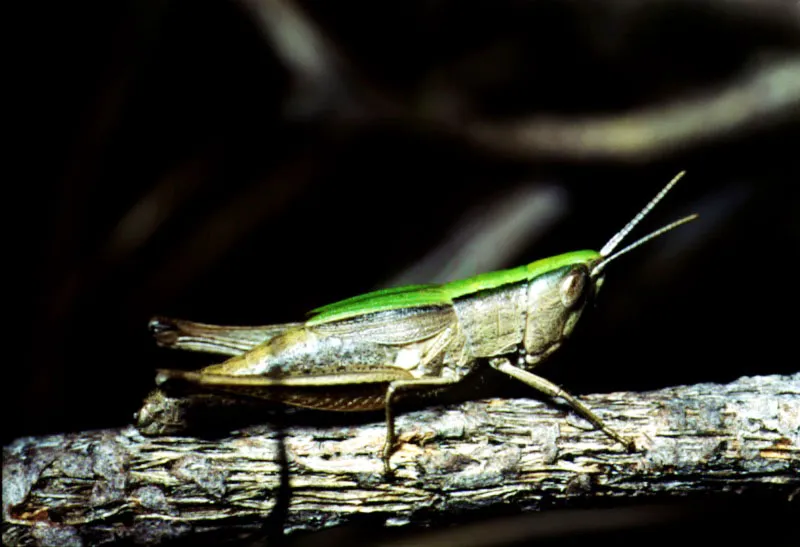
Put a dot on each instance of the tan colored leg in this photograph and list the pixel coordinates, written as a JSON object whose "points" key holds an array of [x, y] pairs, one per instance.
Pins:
{"points": [[391, 392], [549, 388]]}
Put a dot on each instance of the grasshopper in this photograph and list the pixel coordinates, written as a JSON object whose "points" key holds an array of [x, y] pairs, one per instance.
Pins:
{"points": [[365, 352]]}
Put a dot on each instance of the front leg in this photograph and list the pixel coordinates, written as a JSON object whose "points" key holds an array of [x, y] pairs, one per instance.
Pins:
{"points": [[549, 388], [393, 390]]}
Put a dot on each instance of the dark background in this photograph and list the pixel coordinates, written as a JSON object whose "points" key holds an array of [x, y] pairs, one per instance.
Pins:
{"points": [[188, 161]]}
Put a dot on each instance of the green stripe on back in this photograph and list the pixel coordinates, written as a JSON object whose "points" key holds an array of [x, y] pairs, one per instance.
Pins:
{"points": [[410, 296], [535, 269], [414, 296]]}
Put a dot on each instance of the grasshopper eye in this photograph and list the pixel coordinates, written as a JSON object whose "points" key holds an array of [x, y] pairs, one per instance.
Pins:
{"points": [[573, 286]]}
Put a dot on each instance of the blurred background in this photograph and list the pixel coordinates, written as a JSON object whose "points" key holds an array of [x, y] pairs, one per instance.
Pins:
{"points": [[241, 162]]}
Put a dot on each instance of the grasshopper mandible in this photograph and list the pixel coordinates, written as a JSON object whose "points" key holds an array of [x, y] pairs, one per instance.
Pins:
{"points": [[365, 352]]}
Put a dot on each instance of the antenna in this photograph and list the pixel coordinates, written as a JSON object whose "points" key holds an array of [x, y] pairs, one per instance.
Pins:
{"points": [[664, 229], [609, 247]]}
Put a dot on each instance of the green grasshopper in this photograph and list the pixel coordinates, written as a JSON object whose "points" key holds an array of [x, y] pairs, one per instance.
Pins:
{"points": [[365, 352]]}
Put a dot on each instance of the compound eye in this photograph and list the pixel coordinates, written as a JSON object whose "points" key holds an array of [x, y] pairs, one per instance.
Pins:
{"points": [[573, 287]]}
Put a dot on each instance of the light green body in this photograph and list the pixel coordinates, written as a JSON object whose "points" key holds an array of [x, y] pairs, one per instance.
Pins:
{"points": [[363, 352]]}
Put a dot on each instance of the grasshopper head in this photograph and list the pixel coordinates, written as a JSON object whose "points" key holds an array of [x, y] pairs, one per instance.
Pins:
{"points": [[558, 290], [559, 287]]}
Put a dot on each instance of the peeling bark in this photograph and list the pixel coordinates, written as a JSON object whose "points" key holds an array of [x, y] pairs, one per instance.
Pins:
{"points": [[100, 487]]}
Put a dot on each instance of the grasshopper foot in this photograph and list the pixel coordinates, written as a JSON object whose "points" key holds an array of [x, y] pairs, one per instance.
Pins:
{"points": [[388, 472], [386, 455], [630, 445]]}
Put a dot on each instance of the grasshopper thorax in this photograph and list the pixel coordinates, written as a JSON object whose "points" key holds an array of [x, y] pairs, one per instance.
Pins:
{"points": [[560, 287]]}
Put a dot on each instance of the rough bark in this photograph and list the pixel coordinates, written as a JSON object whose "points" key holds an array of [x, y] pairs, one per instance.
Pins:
{"points": [[102, 487]]}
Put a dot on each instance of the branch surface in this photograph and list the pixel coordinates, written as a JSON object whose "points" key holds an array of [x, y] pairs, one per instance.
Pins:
{"points": [[100, 487]]}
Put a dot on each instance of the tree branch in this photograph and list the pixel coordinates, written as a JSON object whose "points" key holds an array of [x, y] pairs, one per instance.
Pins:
{"points": [[764, 97], [104, 486]]}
